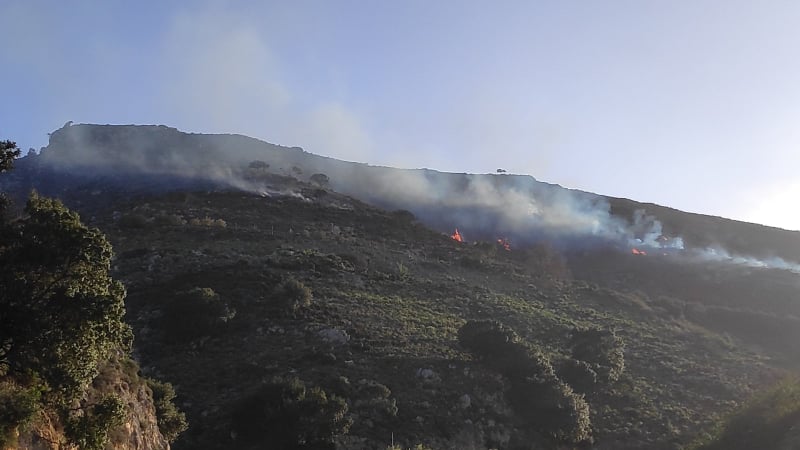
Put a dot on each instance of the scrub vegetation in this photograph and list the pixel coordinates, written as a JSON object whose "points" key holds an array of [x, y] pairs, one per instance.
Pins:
{"points": [[302, 318]]}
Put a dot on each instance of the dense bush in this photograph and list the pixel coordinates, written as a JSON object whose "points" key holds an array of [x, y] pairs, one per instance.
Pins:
{"points": [[320, 179], [288, 415], [579, 375], [88, 427], [552, 408], [208, 222], [602, 349], [62, 312], [291, 295], [61, 321], [485, 337], [768, 421], [17, 408], [499, 346], [171, 421], [195, 313], [371, 399], [538, 397]]}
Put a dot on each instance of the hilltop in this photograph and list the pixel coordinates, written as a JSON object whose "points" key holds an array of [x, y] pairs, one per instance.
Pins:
{"points": [[245, 261]]}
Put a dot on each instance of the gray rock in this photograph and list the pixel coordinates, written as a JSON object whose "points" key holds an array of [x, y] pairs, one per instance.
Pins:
{"points": [[334, 336], [426, 374]]}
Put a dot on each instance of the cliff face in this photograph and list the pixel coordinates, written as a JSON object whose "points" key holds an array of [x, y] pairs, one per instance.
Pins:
{"points": [[139, 430]]}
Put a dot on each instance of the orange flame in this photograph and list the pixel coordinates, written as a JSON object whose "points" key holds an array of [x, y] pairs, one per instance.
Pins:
{"points": [[504, 243], [636, 251], [457, 236]]}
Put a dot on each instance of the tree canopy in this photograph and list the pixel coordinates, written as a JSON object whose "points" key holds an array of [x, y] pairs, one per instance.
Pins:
{"points": [[61, 313], [8, 152]]}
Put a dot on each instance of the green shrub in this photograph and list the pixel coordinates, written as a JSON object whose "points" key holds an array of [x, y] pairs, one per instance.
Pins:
{"points": [[195, 313], [499, 346], [768, 420], [286, 414], [208, 222], [537, 396], [292, 295], [602, 349], [373, 399], [485, 337], [171, 421], [579, 375], [552, 408], [18, 406], [88, 427]]}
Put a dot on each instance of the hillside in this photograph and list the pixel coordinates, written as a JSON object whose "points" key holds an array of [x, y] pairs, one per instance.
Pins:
{"points": [[210, 245]]}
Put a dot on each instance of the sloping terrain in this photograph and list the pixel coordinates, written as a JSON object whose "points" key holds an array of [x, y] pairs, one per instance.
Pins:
{"points": [[389, 295], [400, 292]]}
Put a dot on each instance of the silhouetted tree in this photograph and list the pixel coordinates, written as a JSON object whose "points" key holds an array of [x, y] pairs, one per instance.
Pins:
{"points": [[8, 152]]}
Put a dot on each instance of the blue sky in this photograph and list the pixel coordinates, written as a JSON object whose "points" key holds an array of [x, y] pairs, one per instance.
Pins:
{"points": [[690, 104]]}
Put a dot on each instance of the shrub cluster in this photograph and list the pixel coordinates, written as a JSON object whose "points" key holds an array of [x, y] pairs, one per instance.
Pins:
{"points": [[88, 427], [289, 415], [370, 398], [580, 375], [603, 350], [537, 395], [292, 295], [17, 408], [195, 313], [768, 420], [208, 222], [171, 421]]}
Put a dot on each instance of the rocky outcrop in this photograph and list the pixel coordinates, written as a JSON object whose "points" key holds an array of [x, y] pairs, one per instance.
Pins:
{"points": [[139, 430]]}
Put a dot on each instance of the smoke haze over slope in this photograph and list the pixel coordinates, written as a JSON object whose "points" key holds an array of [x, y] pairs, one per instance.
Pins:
{"points": [[482, 206]]}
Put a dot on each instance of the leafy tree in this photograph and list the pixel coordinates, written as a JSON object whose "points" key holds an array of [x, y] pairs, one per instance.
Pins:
{"points": [[171, 421], [61, 319], [89, 427], [61, 313], [18, 405], [8, 152]]}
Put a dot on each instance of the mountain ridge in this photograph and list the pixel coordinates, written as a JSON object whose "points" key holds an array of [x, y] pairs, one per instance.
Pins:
{"points": [[442, 200], [268, 273]]}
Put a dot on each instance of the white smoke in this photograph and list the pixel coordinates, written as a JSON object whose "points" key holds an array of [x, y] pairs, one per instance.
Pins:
{"points": [[483, 207], [719, 254]]}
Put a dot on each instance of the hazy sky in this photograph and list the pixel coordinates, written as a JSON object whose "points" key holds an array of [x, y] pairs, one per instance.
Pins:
{"points": [[693, 104]]}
